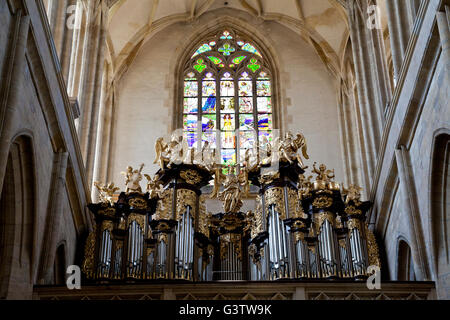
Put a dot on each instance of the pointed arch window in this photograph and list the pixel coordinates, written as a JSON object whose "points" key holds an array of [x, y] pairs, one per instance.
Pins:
{"points": [[227, 97]]}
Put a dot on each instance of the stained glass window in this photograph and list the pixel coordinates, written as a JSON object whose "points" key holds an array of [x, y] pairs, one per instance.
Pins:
{"points": [[227, 98]]}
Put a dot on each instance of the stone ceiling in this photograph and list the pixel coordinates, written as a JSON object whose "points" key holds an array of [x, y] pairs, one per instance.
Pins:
{"points": [[322, 23]]}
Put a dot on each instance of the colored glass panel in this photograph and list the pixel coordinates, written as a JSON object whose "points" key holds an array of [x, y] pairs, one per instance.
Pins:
{"points": [[246, 105], [227, 88], [203, 48], [248, 47], [209, 76], [200, 66], [228, 140], [227, 76], [265, 137], [227, 49], [209, 104], [215, 60], [190, 89], [246, 122], [227, 105], [190, 105], [238, 60], [228, 157], [208, 88], [190, 122], [245, 76], [253, 65], [208, 122], [263, 76], [265, 122], [190, 76], [190, 138], [228, 122], [263, 88], [247, 139], [210, 137], [264, 104], [226, 35], [245, 88]]}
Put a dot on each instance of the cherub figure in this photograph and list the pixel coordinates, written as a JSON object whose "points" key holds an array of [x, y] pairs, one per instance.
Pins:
{"points": [[353, 193], [106, 192], [304, 186], [154, 186], [133, 179], [322, 173]]}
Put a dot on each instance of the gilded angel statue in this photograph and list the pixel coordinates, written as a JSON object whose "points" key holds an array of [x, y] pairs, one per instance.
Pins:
{"points": [[133, 179], [231, 194], [170, 153], [161, 149], [352, 193], [106, 192], [289, 147], [154, 186]]}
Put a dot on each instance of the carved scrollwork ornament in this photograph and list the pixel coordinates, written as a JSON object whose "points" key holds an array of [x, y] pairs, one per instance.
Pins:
{"points": [[351, 210], [191, 176], [185, 198], [322, 216], [139, 218], [373, 252], [138, 203], [163, 208], [323, 202], [89, 252], [353, 223], [275, 196], [108, 212], [107, 225], [299, 236]]}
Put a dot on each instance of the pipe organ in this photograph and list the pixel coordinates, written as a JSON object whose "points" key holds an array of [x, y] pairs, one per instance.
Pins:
{"points": [[304, 226]]}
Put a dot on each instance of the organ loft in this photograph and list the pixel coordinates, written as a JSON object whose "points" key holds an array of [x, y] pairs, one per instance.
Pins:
{"points": [[305, 226], [224, 150]]}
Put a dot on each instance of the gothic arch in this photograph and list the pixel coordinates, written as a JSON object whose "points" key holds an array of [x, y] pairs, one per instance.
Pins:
{"points": [[190, 45], [440, 202], [60, 264], [17, 218], [405, 264]]}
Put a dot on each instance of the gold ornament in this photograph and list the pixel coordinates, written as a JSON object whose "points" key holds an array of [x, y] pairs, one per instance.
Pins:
{"points": [[106, 192], [185, 198], [191, 176]]}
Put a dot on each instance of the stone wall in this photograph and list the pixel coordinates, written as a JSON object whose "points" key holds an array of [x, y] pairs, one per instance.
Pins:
{"points": [[38, 135]]}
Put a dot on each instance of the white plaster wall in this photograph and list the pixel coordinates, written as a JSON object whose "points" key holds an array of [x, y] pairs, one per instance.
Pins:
{"points": [[145, 98]]}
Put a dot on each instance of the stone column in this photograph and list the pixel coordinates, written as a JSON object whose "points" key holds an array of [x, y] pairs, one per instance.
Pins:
{"points": [[12, 97], [103, 136], [412, 208], [89, 96], [53, 220], [399, 31], [365, 69], [443, 22]]}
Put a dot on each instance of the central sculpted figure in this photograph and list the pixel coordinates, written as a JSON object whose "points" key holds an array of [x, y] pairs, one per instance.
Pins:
{"points": [[231, 193]]}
